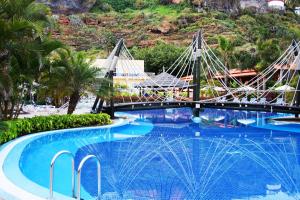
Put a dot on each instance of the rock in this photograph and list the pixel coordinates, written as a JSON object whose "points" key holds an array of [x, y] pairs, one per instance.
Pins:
{"points": [[225, 5], [69, 6], [176, 1], [165, 28], [231, 6], [147, 43], [184, 21]]}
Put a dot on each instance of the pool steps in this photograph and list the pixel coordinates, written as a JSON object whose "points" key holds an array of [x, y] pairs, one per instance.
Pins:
{"points": [[79, 170]]}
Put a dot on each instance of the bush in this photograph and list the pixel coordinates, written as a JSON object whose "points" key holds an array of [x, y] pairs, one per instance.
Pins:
{"points": [[120, 5], [16, 128], [159, 56]]}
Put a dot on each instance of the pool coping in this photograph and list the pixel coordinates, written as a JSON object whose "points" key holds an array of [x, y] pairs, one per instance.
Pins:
{"points": [[10, 190]]}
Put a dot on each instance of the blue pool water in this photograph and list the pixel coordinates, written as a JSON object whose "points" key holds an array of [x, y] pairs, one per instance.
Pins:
{"points": [[165, 154]]}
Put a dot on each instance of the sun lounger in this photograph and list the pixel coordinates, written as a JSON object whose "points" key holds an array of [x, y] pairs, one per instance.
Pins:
{"points": [[236, 100], [280, 101], [263, 101], [221, 99], [244, 100], [253, 100]]}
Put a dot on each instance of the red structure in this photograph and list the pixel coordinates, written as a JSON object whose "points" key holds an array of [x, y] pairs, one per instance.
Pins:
{"points": [[242, 75]]}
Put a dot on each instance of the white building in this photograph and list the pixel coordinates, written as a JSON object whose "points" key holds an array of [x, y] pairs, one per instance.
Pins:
{"points": [[297, 10], [128, 72], [276, 4]]}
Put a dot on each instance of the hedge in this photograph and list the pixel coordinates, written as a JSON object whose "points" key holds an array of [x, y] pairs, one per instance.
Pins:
{"points": [[10, 130]]}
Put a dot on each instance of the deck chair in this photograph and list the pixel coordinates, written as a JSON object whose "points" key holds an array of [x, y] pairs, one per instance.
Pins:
{"points": [[253, 100], [263, 101], [244, 100], [221, 99], [236, 100], [280, 101]]}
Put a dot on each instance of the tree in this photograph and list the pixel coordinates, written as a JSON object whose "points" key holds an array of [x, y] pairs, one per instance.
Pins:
{"points": [[226, 49], [109, 40], [120, 5], [159, 56], [71, 76], [246, 58], [22, 28], [291, 4], [268, 52]]}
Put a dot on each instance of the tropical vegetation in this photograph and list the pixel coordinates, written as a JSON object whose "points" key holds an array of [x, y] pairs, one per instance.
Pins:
{"points": [[15, 128], [71, 75], [30, 58]]}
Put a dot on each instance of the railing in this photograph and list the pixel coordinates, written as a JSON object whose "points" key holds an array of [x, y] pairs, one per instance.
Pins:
{"points": [[79, 170], [56, 156], [83, 161]]}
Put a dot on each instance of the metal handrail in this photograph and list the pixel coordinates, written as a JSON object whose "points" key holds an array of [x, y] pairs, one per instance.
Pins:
{"points": [[52, 170], [83, 161]]}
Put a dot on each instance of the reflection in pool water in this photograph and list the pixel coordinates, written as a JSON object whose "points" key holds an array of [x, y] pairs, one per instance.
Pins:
{"points": [[227, 155]]}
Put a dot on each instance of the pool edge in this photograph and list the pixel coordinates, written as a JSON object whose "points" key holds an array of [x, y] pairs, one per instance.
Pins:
{"points": [[10, 190]]}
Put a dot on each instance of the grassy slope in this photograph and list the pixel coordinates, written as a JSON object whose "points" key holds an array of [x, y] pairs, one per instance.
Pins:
{"points": [[136, 25]]}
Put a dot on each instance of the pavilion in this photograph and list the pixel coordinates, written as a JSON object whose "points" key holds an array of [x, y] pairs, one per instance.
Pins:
{"points": [[163, 82]]}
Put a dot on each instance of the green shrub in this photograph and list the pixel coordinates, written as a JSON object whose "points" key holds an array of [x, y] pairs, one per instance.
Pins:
{"points": [[120, 5], [12, 129], [159, 56]]}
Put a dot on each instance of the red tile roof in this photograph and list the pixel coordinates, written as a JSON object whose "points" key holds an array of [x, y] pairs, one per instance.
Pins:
{"points": [[237, 73]]}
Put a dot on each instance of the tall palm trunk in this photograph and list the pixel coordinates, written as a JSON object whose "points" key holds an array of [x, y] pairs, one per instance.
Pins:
{"points": [[6, 93], [74, 99]]}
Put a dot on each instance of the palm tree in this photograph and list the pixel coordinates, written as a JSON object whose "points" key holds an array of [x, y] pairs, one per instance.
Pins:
{"points": [[22, 23], [82, 77], [291, 4], [226, 49], [73, 75]]}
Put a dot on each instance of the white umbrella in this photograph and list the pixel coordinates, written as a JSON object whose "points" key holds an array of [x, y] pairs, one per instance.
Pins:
{"points": [[245, 89], [284, 88]]}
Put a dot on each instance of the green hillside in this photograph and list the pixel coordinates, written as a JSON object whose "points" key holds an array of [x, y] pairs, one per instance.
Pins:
{"points": [[257, 39]]}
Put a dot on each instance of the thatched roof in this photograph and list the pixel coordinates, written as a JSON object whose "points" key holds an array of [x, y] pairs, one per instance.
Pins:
{"points": [[163, 80]]}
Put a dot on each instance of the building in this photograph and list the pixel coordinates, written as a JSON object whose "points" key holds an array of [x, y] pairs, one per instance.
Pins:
{"points": [[128, 72], [276, 4], [242, 75], [297, 10]]}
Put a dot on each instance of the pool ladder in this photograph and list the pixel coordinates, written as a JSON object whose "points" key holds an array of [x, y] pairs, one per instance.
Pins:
{"points": [[78, 173]]}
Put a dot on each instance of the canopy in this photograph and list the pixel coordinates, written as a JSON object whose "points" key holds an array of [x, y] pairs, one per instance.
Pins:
{"points": [[163, 80]]}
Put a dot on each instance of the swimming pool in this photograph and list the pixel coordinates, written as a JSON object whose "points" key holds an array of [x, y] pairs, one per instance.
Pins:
{"points": [[167, 154]]}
